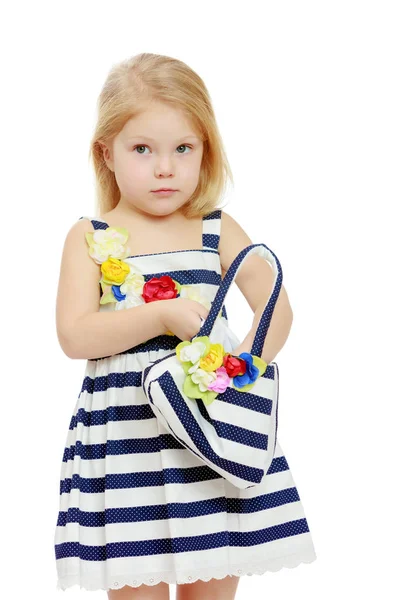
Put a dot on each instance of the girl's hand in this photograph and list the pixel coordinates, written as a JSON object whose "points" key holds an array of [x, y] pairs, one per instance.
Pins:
{"points": [[182, 316]]}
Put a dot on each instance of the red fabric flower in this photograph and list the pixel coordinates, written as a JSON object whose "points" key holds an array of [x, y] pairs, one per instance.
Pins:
{"points": [[234, 365], [162, 288]]}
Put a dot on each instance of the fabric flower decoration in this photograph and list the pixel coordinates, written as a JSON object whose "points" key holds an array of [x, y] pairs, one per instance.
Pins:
{"points": [[222, 381], [191, 351], [133, 283], [129, 293], [162, 288], [113, 274], [122, 284], [203, 379], [234, 365], [255, 367], [210, 370], [107, 247], [213, 358], [251, 373], [197, 380], [104, 243]]}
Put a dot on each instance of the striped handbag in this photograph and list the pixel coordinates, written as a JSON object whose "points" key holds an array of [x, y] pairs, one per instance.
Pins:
{"points": [[222, 407]]}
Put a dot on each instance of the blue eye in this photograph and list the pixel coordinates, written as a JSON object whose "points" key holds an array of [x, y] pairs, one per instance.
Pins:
{"points": [[181, 146], [140, 146], [184, 146]]}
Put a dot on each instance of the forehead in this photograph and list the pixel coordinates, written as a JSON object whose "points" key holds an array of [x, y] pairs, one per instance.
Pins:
{"points": [[159, 123], [149, 139]]}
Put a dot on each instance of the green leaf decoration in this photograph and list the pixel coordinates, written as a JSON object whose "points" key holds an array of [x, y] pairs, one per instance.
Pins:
{"points": [[180, 346], [192, 390], [245, 388], [260, 364], [205, 340], [177, 286], [108, 297], [186, 365], [208, 397]]}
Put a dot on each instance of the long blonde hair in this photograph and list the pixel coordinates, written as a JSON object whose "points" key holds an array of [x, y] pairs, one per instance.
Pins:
{"points": [[129, 87]]}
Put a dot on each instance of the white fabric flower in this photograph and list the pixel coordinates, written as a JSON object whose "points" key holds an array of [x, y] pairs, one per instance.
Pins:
{"points": [[194, 367], [104, 243], [203, 378], [132, 287], [192, 352], [133, 283]]}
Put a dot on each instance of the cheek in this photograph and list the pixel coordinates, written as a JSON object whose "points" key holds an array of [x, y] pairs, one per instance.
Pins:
{"points": [[191, 169], [133, 171]]}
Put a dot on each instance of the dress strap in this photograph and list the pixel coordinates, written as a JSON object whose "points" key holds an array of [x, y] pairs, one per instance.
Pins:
{"points": [[97, 223], [211, 229]]}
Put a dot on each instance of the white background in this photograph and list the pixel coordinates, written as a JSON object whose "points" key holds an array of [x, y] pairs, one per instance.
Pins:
{"points": [[316, 106]]}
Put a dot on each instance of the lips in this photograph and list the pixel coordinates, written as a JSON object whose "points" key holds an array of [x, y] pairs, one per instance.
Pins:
{"points": [[164, 190]]}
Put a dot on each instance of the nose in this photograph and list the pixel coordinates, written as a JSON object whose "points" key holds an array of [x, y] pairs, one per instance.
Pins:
{"points": [[164, 168]]}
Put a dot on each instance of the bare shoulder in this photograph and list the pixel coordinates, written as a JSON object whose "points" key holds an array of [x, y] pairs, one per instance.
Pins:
{"points": [[79, 228], [75, 249]]}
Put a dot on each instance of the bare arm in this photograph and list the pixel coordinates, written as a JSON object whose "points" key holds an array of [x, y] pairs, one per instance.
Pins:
{"points": [[83, 332], [255, 280], [106, 333]]}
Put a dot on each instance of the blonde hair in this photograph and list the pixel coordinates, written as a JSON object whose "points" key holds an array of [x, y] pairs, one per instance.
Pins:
{"points": [[129, 87]]}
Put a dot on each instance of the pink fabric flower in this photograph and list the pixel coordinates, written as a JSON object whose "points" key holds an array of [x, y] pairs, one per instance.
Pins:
{"points": [[222, 381]]}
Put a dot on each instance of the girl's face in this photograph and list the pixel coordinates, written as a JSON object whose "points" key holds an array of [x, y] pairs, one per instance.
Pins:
{"points": [[156, 149]]}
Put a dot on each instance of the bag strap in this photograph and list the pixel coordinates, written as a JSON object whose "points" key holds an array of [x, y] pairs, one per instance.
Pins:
{"points": [[266, 316]]}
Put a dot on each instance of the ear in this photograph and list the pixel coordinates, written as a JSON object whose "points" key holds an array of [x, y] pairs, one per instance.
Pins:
{"points": [[107, 155]]}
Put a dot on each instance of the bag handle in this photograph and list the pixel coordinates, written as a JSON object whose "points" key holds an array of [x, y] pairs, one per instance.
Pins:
{"points": [[266, 316]]}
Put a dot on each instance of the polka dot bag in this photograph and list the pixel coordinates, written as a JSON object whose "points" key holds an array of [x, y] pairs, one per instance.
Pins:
{"points": [[222, 407]]}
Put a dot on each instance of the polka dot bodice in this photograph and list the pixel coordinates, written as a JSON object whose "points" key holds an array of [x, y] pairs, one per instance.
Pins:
{"points": [[198, 272]]}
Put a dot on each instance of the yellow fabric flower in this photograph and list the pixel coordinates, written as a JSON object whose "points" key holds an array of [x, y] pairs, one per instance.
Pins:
{"points": [[213, 360], [114, 271]]}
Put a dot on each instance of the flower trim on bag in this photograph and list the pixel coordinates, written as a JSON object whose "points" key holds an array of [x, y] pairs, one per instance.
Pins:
{"points": [[210, 370], [124, 284]]}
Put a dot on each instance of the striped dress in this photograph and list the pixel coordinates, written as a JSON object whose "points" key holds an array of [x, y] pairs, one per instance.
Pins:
{"points": [[136, 507]]}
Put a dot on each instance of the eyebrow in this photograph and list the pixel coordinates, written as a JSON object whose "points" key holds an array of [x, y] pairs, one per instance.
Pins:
{"points": [[143, 137]]}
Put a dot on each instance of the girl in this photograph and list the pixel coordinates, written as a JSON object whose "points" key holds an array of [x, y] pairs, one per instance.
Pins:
{"points": [[138, 511]]}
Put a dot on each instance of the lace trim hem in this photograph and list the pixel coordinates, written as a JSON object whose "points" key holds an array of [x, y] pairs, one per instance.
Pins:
{"points": [[259, 568]]}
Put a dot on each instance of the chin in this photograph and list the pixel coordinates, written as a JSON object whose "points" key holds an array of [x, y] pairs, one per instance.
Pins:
{"points": [[162, 208]]}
